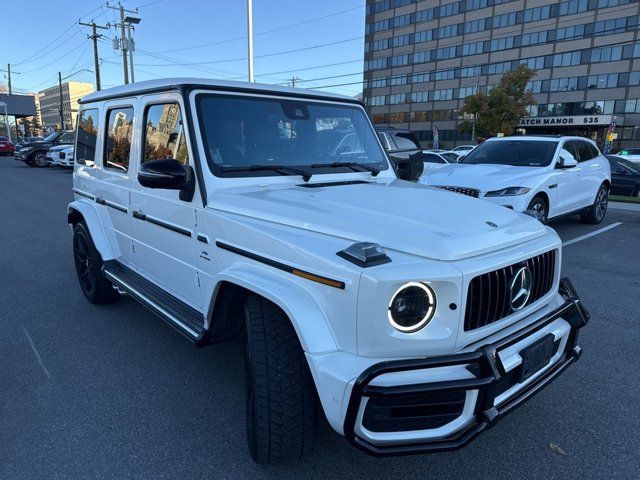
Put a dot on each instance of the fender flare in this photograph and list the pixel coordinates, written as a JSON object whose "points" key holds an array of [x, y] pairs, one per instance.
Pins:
{"points": [[102, 237], [306, 315]]}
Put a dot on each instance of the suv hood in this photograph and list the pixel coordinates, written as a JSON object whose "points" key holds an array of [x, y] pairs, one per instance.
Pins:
{"points": [[36, 144], [484, 177], [398, 215]]}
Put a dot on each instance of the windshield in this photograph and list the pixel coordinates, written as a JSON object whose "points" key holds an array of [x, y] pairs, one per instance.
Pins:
{"points": [[241, 132], [519, 153], [52, 137]]}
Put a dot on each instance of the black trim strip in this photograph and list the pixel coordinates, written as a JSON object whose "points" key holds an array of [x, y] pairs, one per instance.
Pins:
{"points": [[83, 194], [115, 206], [138, 215], [168, 226], [282, 266]]}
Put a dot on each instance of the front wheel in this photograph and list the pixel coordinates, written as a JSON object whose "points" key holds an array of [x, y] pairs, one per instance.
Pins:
{"points": [[280, 394], [39, 160], [95, 287], [539, 209], [596, 212]]}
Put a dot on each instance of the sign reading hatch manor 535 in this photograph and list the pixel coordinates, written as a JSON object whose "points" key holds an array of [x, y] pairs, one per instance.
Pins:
{"points": [[567, 121]]}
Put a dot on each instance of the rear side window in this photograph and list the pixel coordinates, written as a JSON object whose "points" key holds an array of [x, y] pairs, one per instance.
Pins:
{"points": [[118, 139], [164, 134], [87, 137]]}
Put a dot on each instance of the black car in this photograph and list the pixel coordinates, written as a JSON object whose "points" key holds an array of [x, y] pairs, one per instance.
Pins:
{"points": [[33, 153], [625, 176], [404, 151]]}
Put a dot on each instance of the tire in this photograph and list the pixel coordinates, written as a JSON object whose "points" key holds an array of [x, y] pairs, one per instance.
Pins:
{"points": [[280, 393], [38, 160], [596, 212], [88, 262], [540, 208]]}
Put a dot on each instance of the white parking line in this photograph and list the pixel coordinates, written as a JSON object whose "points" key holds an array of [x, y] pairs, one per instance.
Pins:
{"points": [[33, 347], [592, 234]]}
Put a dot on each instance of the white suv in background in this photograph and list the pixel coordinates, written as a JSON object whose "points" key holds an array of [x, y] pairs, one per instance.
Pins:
{"points": [[548, 176]]}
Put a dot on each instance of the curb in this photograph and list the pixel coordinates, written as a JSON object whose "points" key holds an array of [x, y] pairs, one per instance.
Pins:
{"points": [[633, 207]]}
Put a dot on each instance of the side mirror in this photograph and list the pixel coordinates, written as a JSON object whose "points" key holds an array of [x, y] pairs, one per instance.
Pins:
{"points": [[168, 174], [566, 160]]}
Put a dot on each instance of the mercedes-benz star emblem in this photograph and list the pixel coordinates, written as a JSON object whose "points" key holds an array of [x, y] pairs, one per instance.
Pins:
{"points": [[521, 288]]}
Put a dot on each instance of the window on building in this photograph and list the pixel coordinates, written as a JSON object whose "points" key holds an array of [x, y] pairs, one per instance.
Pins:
{"points": [[118, 139], [87, 136], [164, 134]]}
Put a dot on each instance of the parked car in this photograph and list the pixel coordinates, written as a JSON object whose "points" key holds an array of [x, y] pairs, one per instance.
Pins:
{"points": [[453, 157], [631, 154], [352, 288], [58, 156], [547, 176], [66, 158], [464, 149], [51, 157], [404, 151], [625, 176], [6, 146], [434, 161], [34, 153]]}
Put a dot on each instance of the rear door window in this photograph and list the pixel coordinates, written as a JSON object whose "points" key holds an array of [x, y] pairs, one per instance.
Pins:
{"points": [[584, 151], [118, 139]]}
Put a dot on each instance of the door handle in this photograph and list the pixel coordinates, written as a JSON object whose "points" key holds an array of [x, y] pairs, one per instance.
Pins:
{"points": [[139, 215]]}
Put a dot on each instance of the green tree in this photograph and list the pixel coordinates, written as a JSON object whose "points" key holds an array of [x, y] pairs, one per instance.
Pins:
{"points": [[500, 110]]}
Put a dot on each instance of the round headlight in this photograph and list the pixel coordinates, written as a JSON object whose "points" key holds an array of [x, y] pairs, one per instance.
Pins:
{"points": [[412, 307]]}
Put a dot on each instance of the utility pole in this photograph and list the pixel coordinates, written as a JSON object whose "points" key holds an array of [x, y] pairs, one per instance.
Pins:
{"points": [[9, 76], [61, 104], [250, 37], [293, 81], [126, 44], [95, 36]]}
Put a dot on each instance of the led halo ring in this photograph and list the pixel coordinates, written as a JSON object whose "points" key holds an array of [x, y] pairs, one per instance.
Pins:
{"points": [[430, 311]]}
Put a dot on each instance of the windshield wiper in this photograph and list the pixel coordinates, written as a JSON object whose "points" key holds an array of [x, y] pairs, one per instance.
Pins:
{"points": [[281, 169], [356, 167]]}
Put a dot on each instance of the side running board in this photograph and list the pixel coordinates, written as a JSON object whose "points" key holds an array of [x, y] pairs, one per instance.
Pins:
{"points": [[184, 318]]}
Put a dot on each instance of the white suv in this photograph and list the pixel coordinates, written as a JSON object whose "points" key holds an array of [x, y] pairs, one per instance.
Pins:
{"points": [[548, 176], [415, 318]]}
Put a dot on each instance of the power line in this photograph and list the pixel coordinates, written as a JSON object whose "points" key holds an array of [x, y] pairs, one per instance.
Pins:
{"points": [[57, 59], [266, 32], [261, 56]]}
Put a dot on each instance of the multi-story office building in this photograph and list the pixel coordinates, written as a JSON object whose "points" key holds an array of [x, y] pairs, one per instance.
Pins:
{"points": [[423, 58], [50, 104]]}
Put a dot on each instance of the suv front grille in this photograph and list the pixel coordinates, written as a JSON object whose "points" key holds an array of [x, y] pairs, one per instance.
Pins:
{"points": [[489, 295], [472, 192]]}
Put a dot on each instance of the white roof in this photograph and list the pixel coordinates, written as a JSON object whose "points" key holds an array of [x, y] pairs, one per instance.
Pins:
{"points": [[538, 138], [140, 87]]}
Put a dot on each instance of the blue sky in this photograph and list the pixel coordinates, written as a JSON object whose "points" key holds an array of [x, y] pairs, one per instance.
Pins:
{"points": [[43, 38]]}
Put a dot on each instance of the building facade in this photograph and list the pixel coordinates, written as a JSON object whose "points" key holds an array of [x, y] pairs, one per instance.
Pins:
{"points": [[423, 58], [50, 104]]}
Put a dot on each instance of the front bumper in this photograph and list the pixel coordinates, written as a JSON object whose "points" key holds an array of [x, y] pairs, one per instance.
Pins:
{"points": [[491, 386]]}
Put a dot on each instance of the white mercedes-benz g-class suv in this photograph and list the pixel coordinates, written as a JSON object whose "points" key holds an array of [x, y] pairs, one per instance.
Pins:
{"points": [[415, 317]]}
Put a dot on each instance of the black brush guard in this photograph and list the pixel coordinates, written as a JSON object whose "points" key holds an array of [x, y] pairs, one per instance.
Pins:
{"points": [[489, 381]]}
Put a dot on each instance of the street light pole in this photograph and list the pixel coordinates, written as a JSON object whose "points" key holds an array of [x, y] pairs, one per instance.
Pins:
{"points": [[250, 37], [130, 48], [61, 104]]}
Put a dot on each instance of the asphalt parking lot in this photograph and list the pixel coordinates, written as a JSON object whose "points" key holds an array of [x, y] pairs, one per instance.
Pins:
{"points": [[111, 392]]}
